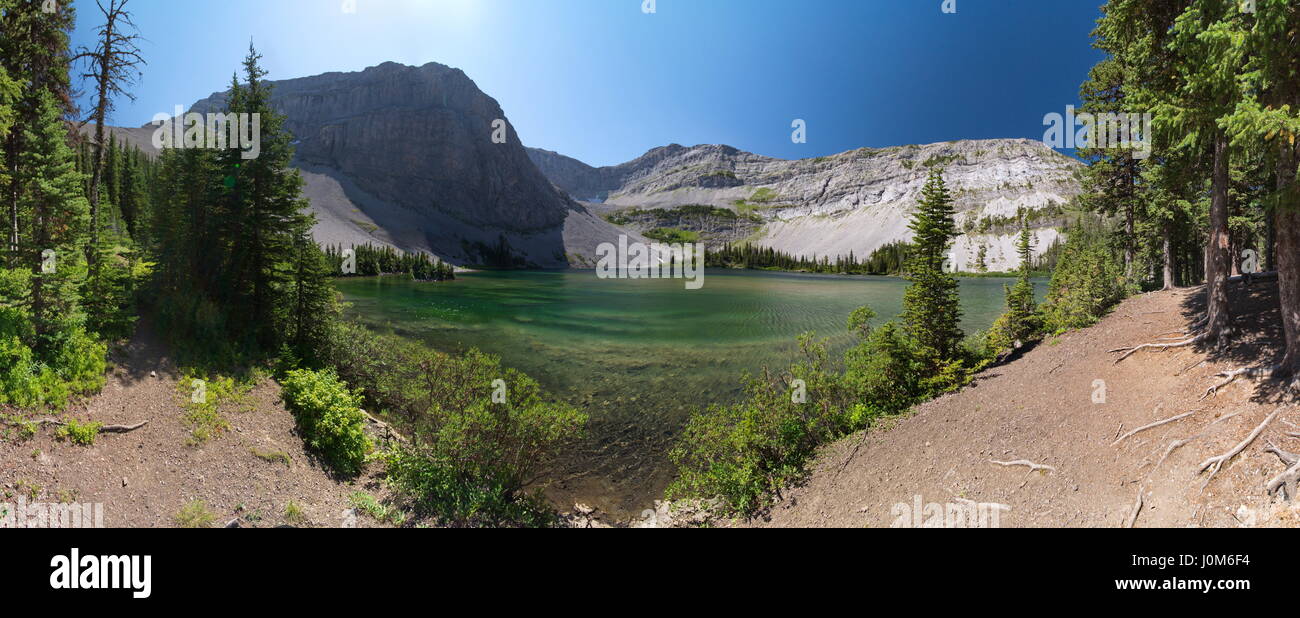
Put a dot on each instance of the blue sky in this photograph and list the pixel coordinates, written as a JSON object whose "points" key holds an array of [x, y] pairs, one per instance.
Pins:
{"points": [[602, 81]]}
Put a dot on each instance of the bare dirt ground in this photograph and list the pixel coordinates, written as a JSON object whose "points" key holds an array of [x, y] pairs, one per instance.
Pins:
{"points": [[146, 477], [1048, 408]]}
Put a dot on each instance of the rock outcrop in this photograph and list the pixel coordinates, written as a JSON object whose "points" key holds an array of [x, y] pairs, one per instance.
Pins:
{"points": [[406, 156], [855, 201]]}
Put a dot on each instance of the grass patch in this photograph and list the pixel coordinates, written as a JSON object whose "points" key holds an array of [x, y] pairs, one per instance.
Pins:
{"points": [[372, 508], [294, 515], [18, 427], [194, 514], [272, 456], [205, 399], [30, 488], [76, 432]]}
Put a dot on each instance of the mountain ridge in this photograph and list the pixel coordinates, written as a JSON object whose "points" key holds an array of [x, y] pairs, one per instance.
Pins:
{"points": [[855, 201], [409, 157]]}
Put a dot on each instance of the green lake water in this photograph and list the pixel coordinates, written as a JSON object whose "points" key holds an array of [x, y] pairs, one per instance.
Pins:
{"points": [[637, 355]]}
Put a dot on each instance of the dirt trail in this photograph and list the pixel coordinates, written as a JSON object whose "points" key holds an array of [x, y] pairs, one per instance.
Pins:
{"points": [[145, 477], [1048, 408]]}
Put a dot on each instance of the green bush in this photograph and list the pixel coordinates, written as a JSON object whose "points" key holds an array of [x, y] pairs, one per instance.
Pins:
{"points": [[1088, 281], [73, 363], [79, 433], [474, 454], [744, 453], [329, 417], [474, 465]]}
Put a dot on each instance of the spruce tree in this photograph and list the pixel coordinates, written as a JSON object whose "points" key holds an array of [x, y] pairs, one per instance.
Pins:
{"points": [[52, 193], [263, 209], [1268, 121], [312, 296], [931, 304], [1021, 323], [34, 52]]}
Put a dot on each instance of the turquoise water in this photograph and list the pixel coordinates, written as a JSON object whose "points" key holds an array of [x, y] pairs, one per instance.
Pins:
{"points": [[637, 355]]}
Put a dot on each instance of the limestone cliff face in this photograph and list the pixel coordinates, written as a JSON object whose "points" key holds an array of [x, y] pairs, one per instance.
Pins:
{"points": [[854, 201], [405, 155]]}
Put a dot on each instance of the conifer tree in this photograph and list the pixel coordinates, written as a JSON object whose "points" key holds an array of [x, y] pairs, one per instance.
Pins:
{"points": [[52, 193], [1268, 120], [34, 52], [931, 304], [1022, 322], [312, 296]]}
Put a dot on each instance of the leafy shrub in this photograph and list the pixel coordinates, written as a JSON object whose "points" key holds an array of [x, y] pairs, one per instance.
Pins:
{"points": [[1088, 281], [472, 459], [744, 453], [475, 464], [329, 417], [79, 433], [369, 506]]}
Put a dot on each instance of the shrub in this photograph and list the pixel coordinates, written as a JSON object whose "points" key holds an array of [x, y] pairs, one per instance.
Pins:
{"points": [[472, 458], [367, 505], [1088, 281], [474, 466], [79, 433], [744, 453], [329, 417], [71, 362]]}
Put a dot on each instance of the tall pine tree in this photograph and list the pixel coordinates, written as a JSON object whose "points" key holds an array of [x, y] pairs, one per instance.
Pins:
{"points": [[931, 304]]}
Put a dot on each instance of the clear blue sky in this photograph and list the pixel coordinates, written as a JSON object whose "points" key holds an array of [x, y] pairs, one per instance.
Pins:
{"points": [[602, 81]]}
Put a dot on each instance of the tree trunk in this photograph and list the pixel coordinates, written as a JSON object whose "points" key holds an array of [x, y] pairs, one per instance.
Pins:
{"points": [[1270, 252], [1287, 229], [12, 163], [1129, 239], [97, 165], [1217, 258], [1169, 255]]}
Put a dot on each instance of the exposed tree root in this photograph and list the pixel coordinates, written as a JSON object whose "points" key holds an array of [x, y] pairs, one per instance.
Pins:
{"points": [[1157, 346], [1214, 464], [122, 428], [1024, 462], [103, 429], [1175, 445], [1154, 425], [1137, 508], [1251, 373], [1288, 479]]}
